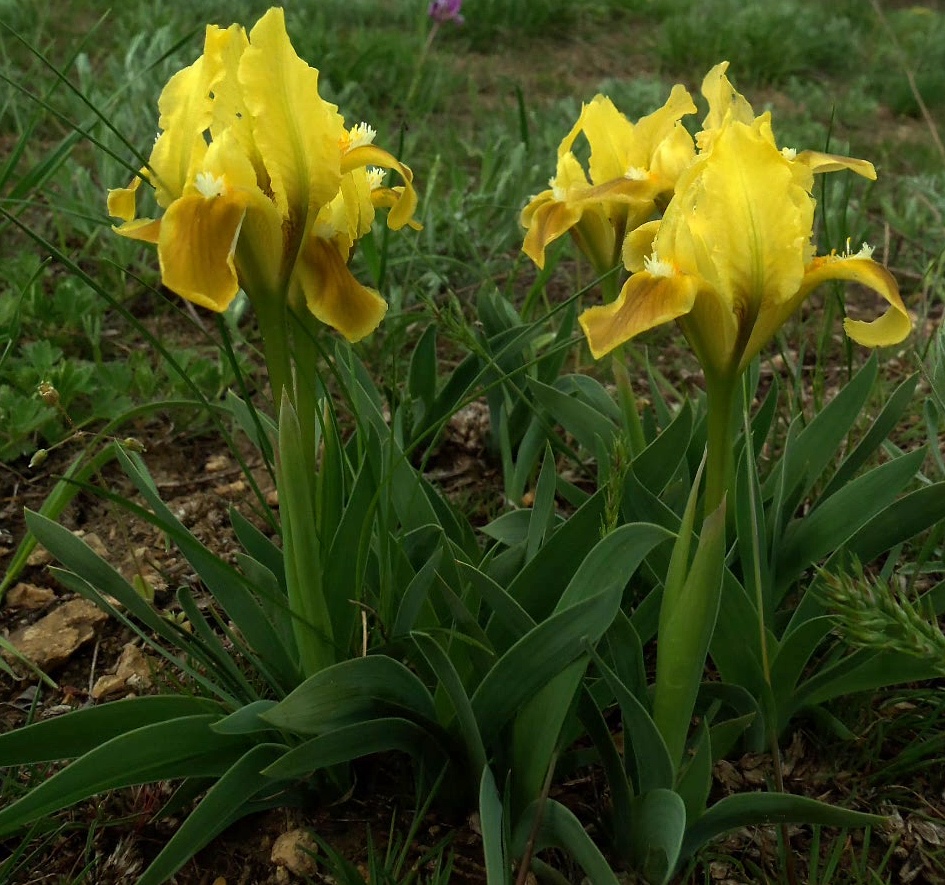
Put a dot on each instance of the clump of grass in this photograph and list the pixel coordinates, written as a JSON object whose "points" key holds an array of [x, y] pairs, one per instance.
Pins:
{"points": [[766, 43], [491, 20], [917, 46]]}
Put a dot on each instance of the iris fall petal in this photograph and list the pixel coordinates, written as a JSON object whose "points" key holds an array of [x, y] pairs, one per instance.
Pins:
{"points": [[333, 295]]}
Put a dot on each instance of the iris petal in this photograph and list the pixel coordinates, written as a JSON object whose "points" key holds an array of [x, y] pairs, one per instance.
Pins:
{"points": [[609, 133], [724, 103], [893, 326], [297, 133], [646, 301], [333, 295], [547, 223], [122, 200], [638, 245], [148, 230], [652, 131], [818, 162], [186, 107], [196, 247], [403, 208]]}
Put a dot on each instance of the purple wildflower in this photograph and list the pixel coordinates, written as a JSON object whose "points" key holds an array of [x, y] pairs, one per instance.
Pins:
{"points": [[446, 10]]}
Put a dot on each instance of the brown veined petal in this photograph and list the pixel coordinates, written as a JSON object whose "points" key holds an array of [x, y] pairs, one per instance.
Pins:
{"points": [[645, 301], [332, 294], [547, 223], [196, 248], [893, 326]]}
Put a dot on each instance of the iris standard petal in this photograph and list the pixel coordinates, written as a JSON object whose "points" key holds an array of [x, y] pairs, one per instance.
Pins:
{"points": [[610, 134], [725, 102], [298, 133], [671, 157], [186, 107], [893, 326], [332, 294], [651, 131], [647, 300], [230, 113], [750, 219], [196, 248]]}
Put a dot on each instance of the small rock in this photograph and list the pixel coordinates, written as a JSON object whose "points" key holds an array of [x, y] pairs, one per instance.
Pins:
{"points": [[216, 464], [294, 850], [133, 672], [29, 597], [106, 685], [41, 556], [231, 488], [272, 498], [94, 542], [54, 638]]}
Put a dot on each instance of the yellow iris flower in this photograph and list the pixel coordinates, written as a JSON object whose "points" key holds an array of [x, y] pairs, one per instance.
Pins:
{"points": [[732, 257], [633, 167], [261, 183]]}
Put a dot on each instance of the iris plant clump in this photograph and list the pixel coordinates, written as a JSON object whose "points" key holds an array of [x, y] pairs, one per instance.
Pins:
{"points": [[373, 617]]}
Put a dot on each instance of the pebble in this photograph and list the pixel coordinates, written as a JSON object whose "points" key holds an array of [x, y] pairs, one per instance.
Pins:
{"points": [[55, 637]]}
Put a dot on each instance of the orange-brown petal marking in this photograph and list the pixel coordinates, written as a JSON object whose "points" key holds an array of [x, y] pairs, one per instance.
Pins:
{"points": [[547, 223], [196, 247], [332, 294], [647, 300]]}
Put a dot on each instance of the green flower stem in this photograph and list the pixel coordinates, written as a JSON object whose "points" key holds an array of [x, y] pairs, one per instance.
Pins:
{"points": [[610, 289], [720, 461], [302, 557], [628, 405], [292, 362], [305, 357], [270, 314]]}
